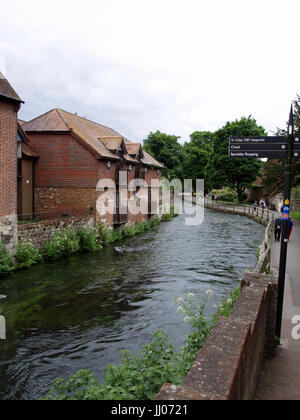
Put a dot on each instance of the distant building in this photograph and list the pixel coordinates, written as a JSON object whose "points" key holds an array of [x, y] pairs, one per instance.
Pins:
{"points": [[72, 155], [10, 104]]}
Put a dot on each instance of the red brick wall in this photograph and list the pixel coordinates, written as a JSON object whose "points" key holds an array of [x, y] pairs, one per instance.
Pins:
{"points": [[8, 159], [66, 176], [63, 162], [52, 202]]}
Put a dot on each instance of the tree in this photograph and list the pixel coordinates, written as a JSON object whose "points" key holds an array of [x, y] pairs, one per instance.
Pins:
{"points": [[235, 173], [273, 171], [167, 150], [196, 156]]}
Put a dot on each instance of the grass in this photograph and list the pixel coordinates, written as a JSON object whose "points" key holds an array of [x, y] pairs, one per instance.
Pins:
{"points": [[295, 215]]}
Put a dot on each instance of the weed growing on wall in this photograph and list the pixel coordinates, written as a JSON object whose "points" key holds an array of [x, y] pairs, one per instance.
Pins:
{"points": [[27, 255], [6, 261], [89, 239], [63, 243]]}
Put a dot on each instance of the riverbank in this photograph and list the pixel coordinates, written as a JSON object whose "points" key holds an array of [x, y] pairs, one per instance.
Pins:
{"points": [[72, 240]]}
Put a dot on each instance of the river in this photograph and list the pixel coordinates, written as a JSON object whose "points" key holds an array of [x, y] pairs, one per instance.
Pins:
{"points": [[79, 313]]}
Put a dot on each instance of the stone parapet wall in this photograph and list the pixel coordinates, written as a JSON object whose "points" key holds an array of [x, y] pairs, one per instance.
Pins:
{"points": [[229, 365], [9, 232], [41, 232]]}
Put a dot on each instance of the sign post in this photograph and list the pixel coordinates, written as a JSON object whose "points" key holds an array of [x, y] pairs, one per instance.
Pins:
{"points": [[276, 147], [285, 222]]}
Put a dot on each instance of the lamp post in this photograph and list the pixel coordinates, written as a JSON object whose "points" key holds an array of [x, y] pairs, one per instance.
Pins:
{"points": [[285, 222]]}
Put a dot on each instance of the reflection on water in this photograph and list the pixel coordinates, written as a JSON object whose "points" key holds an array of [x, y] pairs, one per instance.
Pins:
{"points": [[81, 312]]}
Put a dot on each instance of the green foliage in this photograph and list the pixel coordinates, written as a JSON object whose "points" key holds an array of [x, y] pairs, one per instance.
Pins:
{"points": [[6, 261], [167, 217], [226, 195], [295, 215], [167, 150], [226, 307], [89, 239], [27, 255], [62, 244], [197, 155], [237, 174], [155, 221]]}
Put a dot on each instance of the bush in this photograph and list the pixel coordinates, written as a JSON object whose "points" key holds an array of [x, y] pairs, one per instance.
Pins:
{"points": [[6, 261], [27, 255], [167, 217], [128, 231], [155, 221], [89, 239], [226, 195], [62, 244]]}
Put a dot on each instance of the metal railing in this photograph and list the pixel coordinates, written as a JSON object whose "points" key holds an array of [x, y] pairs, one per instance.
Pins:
{"points": [[244, 209]]}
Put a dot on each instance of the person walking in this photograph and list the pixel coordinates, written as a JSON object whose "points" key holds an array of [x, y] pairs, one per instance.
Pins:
{"points": [[291, 225], [277, 229]]}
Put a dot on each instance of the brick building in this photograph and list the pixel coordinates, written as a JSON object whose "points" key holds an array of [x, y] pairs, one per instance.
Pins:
{"points": [[10, 104], [26, 164], [74, 154]]}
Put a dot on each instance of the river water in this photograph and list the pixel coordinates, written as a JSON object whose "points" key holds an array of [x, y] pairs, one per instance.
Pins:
{"points": [[81, 312]]}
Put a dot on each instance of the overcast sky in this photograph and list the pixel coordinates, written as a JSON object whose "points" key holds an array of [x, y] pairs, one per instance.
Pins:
{"points": [[139, 66]]}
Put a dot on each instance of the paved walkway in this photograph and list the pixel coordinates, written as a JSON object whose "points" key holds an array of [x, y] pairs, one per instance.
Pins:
{"points": [[280, 378]]}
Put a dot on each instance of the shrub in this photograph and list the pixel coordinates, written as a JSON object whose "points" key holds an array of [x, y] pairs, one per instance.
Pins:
{"points": [[154, 221], [112, 236], [6, 261], [62, 244], [89, 239], [167, 217], [27, 255], [128, 231], [226, 195]]}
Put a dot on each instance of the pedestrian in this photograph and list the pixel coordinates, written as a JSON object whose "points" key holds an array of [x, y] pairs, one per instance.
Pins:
{"points": [[277, 229], [255, 205], [291, 225]]}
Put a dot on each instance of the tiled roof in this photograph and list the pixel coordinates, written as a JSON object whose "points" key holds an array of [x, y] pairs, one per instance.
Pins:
{"points": [[150, 161], [27, 151], [130, 159], [111, 143], [7, 91], [103, 140], [133, 148], [51, 121]]}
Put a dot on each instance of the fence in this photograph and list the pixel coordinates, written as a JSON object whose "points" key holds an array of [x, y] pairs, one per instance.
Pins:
{"points": [[243, 209], [260, 215]]}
